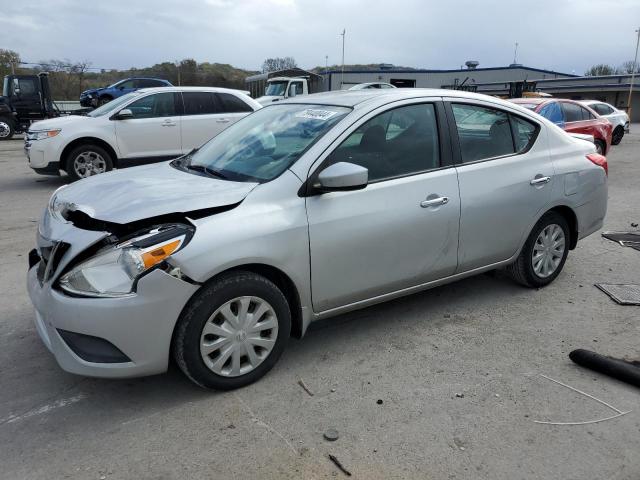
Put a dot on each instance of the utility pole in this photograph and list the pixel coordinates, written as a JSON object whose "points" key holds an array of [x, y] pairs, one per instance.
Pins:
{"points": [[344, 30], [633, 74], [515, 54], [326, 63]]}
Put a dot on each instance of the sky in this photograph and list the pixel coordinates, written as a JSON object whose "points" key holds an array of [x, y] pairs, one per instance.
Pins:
{"points": [[562, 35]]}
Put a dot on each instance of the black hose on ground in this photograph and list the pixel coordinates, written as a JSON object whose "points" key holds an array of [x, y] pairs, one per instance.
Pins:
{"points": [[628, 372]]}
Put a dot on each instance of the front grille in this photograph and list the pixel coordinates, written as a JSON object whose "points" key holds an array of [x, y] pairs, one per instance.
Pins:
{"points": [[50, 259]]}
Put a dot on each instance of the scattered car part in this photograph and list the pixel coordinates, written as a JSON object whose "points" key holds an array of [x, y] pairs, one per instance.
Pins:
{"points": [[628, 372], [624, 294]]}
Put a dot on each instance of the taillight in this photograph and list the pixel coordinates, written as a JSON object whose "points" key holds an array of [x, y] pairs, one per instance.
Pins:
{"points": [[599, 160]]}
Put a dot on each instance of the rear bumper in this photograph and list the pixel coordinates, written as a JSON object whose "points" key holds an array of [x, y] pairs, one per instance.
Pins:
{"points": [[140, 326]]}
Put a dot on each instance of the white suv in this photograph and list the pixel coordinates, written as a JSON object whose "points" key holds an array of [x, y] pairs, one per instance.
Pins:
{"points": [[145, 126]]}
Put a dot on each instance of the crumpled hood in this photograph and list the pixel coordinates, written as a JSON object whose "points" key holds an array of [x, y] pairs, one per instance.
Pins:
{"points": [[137, 193], [92, 90]]}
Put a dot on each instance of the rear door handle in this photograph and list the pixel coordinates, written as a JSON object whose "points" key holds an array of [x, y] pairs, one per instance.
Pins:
{"points": [[223, 120], [539, 180], [434, 202], [169, 123]]}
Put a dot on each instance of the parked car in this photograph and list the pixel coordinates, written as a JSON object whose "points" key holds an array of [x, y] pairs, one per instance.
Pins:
{"points": [[371, 85], [99, 96], [145, 126], [618, 118], [573, 118], [303, 210]]}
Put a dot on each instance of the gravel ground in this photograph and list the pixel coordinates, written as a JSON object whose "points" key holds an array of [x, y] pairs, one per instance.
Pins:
{"points": [[457, 370]]}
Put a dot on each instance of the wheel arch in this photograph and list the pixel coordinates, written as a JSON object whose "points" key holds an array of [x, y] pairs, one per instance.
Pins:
{"points": [[282, 281], [572, 219], [87, 140]]}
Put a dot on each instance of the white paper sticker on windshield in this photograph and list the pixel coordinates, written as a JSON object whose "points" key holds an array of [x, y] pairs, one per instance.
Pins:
{"points": [[316, 114]]}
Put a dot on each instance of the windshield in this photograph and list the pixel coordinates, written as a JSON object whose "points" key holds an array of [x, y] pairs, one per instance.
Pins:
{"points": [[276, 89], [264, 144], [112, 105]]}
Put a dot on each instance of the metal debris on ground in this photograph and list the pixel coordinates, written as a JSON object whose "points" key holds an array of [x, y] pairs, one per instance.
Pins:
{"points": [[305, 388], [331, 435], [624, 293], [624, 370], [626, 239], [619, 413], [339, 465]]}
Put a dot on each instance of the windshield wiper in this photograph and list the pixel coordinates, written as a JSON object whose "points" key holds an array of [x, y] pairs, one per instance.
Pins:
{"points": [[206, 170]]}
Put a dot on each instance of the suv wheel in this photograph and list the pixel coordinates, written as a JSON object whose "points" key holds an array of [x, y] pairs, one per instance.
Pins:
{"points": [[104, 100], [544, 253], [232, 332], [7, 128], [87, 160]]}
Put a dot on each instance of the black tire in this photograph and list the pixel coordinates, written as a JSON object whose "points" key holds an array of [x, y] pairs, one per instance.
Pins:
{"points": [[522, 270], [617, 135], [91, 150], [104, 100], [601, 147], [189, 328], [7, 128]]}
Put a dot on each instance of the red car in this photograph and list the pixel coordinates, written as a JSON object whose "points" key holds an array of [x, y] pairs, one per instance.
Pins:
{"points": [[573, 118]]}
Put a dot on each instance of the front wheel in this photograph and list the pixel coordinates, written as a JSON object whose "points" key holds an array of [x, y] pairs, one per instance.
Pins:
{"points": [[7, 128], [104, 100], [87, 160], [544, 253], [617, 135], [232, 332]]}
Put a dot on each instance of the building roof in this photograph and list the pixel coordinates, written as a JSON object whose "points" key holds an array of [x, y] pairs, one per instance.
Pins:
{"points": [[539, 70]]}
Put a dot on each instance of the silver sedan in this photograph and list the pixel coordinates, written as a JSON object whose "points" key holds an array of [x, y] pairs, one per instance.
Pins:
{"points": [[304, 210]]}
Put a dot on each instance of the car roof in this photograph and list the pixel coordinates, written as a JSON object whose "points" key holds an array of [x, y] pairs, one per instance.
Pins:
{"points": [[353, 98], [173, 88], [532, 100]]}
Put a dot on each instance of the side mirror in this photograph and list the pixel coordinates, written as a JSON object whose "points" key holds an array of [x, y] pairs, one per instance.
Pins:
{"points": [[124, 114], [342, 177], [16, 86], [292, 91]]}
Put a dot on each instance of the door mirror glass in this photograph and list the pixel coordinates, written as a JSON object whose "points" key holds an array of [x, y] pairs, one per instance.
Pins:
{"points": [[342, 176], [292, 90], [124, 114], [16, 86]]}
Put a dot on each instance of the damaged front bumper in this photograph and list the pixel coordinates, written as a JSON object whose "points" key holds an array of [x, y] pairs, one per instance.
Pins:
{"points": [[124, 336]]}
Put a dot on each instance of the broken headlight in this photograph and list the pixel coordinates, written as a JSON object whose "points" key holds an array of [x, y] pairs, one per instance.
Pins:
{"points": [[114, 270]]}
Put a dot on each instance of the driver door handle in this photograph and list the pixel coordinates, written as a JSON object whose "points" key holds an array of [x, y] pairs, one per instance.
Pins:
{"points": [[540, 180], [434, 202], [169, 123], [223, 120]]}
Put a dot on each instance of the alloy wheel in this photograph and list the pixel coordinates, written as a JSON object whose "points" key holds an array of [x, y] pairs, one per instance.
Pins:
{"points": [[5, 130], [548, 250], [239, 336], [89, 163]]}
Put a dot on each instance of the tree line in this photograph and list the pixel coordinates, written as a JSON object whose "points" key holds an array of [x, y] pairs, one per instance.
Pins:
{"points": [[625, 68], [68, 79]]}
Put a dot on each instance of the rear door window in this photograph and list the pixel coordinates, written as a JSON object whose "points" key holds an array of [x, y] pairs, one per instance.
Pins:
{"points": [[524, 133], [483, 132], [572, 112], [602, 109], [586, 114], [232, 104], [199, 103]]}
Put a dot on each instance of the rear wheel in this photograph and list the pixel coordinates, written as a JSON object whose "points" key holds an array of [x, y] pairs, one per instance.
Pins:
{"points": [[544, 253], [87, 160], [7, 128], [618, 133], [232, 332], [600, 146]]}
